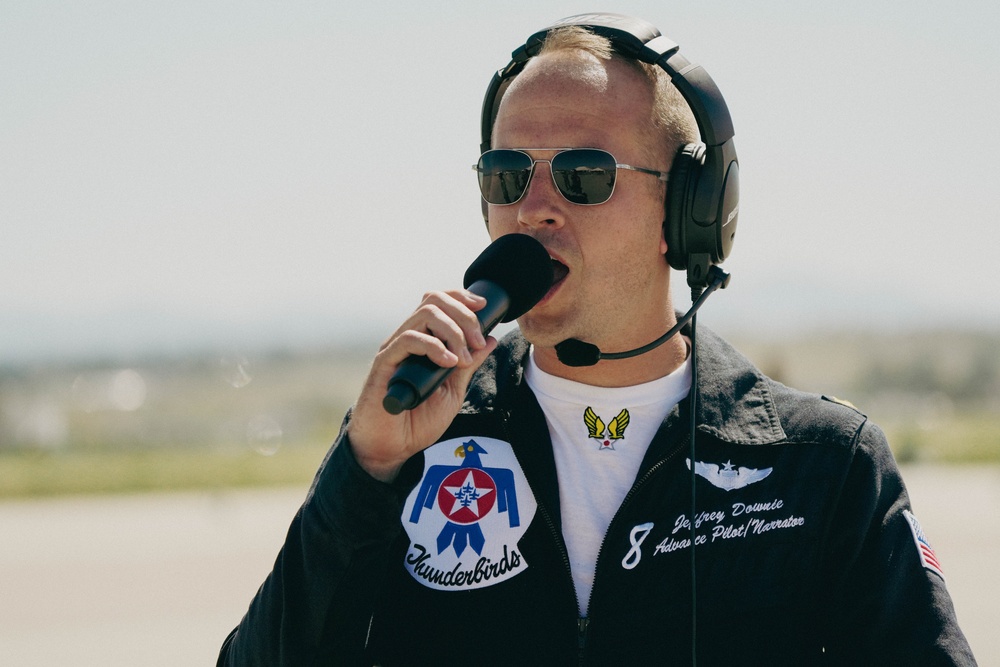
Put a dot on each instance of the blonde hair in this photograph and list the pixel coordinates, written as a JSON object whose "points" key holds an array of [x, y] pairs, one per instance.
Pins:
{"points": [[671, 121]]}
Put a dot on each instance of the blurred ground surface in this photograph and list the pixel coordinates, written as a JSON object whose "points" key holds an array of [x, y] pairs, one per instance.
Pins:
{"points": [[160, 579]]}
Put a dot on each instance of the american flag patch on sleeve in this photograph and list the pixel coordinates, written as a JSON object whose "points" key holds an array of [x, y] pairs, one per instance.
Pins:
{"points": [[927, 556]]}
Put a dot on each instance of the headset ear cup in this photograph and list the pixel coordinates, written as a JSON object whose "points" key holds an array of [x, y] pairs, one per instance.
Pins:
{"points": [[683, 177]]}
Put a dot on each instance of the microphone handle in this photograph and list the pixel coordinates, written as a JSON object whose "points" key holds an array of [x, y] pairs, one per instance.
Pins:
{"points": [[417, 377]]}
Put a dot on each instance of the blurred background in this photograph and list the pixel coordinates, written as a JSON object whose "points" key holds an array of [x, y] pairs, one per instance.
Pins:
{"points": [[211, 213]]}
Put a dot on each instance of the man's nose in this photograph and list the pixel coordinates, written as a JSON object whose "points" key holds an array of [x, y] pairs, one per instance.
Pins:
{"points": [[541, 204]]}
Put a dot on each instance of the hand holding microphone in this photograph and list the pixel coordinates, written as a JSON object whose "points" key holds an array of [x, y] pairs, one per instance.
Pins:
{"points": [[400, 410], [512, 274]]}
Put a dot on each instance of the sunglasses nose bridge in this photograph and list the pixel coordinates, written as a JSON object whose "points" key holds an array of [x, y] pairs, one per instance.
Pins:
{"points": [[533, 172], [541, 204]]}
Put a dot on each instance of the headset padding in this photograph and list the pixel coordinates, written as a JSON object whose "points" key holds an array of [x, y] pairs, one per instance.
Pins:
{"points": [[680, 188]]}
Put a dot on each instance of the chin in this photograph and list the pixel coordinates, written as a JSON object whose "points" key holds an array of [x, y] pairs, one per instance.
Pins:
{"points": [[539, 334]]}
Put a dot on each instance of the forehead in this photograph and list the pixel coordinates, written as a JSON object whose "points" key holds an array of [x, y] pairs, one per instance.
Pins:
{"points": [[574, 99]]}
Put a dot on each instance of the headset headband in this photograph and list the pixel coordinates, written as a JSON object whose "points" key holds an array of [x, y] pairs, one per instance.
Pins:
{"points": [[638, 40]]}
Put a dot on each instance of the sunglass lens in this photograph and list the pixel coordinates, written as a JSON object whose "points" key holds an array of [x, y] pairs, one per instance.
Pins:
{"points": [[503, 175], [584, 175]]}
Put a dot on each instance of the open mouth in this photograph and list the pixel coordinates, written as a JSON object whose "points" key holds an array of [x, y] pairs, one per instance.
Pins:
{"points": [[559, 271]]}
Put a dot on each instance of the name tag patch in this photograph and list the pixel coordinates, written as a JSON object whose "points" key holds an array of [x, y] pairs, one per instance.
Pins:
{"points": [[466, 515], [738, 522]]}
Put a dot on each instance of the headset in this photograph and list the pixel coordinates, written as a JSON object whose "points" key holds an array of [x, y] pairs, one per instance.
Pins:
{"points": [[702, 203]]}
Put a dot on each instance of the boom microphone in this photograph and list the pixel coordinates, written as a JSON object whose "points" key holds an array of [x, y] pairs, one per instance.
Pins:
{"points": [[573, 352], [513, 274]]}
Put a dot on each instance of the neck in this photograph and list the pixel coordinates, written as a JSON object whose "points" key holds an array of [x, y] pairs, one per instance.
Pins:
{"points": [[647, 367]]}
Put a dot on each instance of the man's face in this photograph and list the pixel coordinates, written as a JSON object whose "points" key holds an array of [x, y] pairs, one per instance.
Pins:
{"points": [[613, 290]]}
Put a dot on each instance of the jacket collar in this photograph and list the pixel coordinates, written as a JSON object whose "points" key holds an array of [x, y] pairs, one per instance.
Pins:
{"points": [[735, 403]]}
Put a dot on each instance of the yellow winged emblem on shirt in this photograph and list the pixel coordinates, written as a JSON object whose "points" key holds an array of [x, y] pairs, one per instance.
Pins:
{"points": [[616, 429], [595, 427]]}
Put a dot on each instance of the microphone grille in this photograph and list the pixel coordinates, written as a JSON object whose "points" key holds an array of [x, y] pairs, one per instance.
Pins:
{"points": [[520, 265]]}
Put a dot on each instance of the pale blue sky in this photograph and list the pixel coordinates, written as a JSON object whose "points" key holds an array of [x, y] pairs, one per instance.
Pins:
{"points": [[241, 173]]}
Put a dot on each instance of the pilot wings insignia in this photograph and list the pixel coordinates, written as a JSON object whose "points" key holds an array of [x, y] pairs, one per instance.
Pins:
{"points": [[596, 428], [726, 477], [616, 429]]}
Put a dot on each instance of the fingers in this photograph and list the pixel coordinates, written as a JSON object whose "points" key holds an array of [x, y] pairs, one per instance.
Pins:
{"points": [[463, 374], [444, 328]]}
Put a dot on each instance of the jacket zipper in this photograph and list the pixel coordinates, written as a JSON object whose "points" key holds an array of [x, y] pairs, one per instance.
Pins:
{"points": [[564, 554], [584, 623]]}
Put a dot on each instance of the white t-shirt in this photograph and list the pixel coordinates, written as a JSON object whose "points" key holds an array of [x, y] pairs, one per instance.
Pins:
{"points": [[599, 437]]}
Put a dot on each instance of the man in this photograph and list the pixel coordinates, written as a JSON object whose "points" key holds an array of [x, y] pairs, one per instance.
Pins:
{"points": [[530, 512]]}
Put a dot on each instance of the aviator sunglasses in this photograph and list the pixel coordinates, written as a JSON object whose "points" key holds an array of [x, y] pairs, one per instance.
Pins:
{"points": [[581, 175]]}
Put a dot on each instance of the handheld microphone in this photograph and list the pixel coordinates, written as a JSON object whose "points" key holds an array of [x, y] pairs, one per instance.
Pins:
{"points": [[573, 352], [513, 274]]}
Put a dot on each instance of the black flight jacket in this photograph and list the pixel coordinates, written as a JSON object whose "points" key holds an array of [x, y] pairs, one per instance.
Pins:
{"points": [[807, 552]]}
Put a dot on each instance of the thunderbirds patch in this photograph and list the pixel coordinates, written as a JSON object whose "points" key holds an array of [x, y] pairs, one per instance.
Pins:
{"points": [[466, 515]]}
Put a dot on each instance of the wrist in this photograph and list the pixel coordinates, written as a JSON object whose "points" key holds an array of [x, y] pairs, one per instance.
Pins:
{"points": [[380, 469]]}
